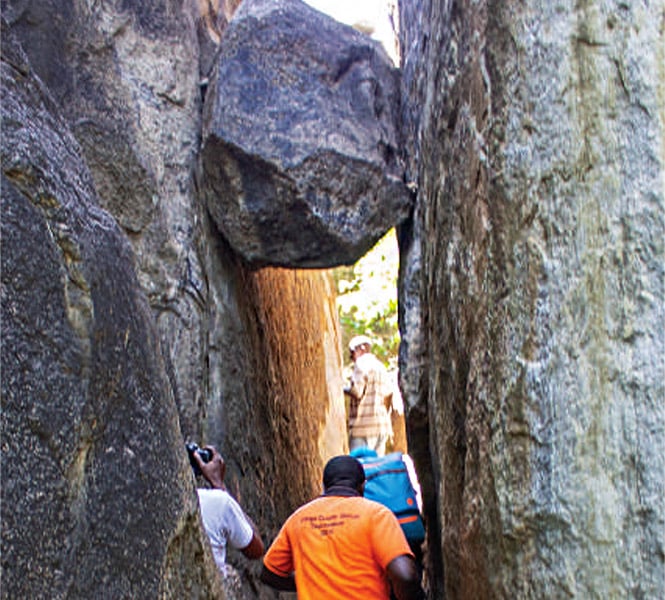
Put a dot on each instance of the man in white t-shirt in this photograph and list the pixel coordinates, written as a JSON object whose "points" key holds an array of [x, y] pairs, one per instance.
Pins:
{"points": [[223, 519]]}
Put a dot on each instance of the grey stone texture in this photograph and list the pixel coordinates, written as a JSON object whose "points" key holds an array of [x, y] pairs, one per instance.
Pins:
{"points": [[94, 505], [531, 284], [532, 295], [300, 154], [125, 76], [124, 79]]}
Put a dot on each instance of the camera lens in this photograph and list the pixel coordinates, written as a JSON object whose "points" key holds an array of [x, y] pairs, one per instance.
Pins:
{"points": [[191, 449]]}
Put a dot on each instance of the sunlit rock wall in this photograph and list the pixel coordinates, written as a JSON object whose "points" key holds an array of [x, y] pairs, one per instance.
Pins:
{"points": [[532, 294], [278, 365]]}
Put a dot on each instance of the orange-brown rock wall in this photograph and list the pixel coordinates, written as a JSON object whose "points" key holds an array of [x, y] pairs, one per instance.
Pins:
{"points": [[295, 419]]}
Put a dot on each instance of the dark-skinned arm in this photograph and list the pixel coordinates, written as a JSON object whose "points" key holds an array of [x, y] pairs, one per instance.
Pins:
{"points": [[213, 471], [283, 584], [255, 548], [403, 576]]}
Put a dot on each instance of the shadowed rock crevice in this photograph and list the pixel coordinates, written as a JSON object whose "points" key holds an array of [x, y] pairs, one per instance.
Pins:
{"points": [[83, 378]]}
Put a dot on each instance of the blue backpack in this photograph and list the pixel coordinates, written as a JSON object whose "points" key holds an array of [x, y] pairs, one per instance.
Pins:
{"points": [[388, 483]]}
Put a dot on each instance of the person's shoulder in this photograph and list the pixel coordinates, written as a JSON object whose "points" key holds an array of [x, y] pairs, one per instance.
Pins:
{"points": [[214, 494], [212, 491], [372, 361], [380, 513], [371, 504], [295, 519], [304, 508]]}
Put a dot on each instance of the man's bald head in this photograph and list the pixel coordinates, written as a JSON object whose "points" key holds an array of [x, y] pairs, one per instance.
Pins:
{"points": [[343, 471]]}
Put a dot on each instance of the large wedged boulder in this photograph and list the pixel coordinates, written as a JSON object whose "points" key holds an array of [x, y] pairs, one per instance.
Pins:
{"points": [[97, 495], [300, 162]]}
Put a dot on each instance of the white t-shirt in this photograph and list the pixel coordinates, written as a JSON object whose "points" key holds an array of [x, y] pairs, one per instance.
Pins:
{"points": [[224, 522]]}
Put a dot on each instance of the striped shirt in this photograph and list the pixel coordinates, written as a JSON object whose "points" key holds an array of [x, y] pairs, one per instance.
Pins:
{"points": [[370, 386]]}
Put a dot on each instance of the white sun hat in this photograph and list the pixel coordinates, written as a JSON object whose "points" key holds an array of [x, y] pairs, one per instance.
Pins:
{"points": [[359, 340]]}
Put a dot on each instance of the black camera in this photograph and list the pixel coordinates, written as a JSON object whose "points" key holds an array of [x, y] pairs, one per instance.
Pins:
{"points": [[204, 453]]}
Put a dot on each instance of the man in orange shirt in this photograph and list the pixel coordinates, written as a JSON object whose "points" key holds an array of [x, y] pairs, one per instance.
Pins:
{"points": [[341, 545]]}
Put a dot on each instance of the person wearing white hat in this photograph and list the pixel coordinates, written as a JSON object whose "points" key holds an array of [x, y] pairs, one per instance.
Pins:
{"points": [[370, 394]]}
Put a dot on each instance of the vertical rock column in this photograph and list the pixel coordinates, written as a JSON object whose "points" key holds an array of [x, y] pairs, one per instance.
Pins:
{"points": [[534, 271], [97, 497]]}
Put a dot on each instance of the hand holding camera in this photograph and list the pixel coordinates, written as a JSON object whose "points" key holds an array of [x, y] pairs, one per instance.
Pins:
{"points": [[208, 463], [205, 454]]}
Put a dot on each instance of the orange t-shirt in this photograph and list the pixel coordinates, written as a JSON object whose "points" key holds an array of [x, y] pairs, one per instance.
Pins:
{"points": [[339, 548]]}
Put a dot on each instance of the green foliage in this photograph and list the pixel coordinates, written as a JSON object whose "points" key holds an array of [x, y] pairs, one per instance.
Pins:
{"points": [[367, 299]]}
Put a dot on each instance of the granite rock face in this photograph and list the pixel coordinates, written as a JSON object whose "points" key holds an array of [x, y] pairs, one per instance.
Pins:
{"points": [[87, 510], [531, 284], [109, 67], [532, 295], [300, 156], [125, 76]]}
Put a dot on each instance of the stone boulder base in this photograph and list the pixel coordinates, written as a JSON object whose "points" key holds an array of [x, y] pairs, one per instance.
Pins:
{"points": [[299, 164]]}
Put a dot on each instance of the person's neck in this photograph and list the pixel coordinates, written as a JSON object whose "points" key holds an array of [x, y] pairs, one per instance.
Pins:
{"points": [[341, 490]]}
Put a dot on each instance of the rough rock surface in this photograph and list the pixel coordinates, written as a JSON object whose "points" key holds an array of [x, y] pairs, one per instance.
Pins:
{"points": [[208, 307], [281, 415], [93, 506], [532, 295], [125, 76], [300, 162], [214, 16], [531, 303], [127, 80]]}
